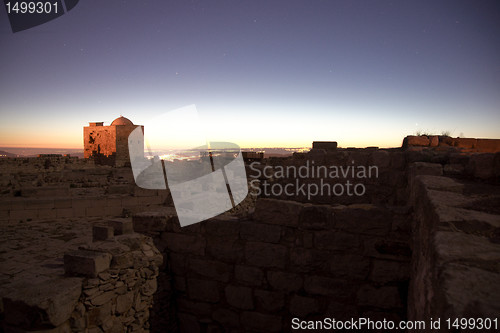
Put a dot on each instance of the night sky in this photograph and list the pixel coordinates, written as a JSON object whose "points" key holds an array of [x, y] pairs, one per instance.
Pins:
{"points": [[261, 73]]}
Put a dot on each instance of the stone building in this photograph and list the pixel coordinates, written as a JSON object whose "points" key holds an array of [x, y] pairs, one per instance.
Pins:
{"points": [[108, 144]]}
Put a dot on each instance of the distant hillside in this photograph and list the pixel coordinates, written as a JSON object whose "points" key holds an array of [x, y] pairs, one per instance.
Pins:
{"points": [[4, 153], [33, 152]]}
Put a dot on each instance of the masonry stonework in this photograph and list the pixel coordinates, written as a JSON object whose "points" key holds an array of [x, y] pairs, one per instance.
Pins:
{"points": [[108, 145], [422, 242]]}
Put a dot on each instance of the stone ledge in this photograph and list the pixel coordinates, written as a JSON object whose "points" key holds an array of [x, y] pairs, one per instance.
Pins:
{"points": [[48, 303], [86, 263]]}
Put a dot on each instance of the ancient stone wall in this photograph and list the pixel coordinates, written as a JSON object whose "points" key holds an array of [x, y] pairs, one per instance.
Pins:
{"points": [[99, 140], [108, 287], [456, 248], [339, 257], [443, 142], [421, 241], [70, 188], [290, 260]]}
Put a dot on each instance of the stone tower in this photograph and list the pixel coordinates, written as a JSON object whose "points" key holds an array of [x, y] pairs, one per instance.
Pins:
{"points": [[108, 144]]}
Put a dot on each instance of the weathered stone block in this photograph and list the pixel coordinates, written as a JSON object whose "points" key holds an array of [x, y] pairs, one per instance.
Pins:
{"points": [[284, 280], [261, 322], [184, 243], [99, 314], [454, 169], [47, 213], [269, 300], [386, 249], [48, 303], [384, 271], [121, 226], [203, 290], [303, 306], [363, 219], [115, 201], [327, 145], [383, 297], [23, 214], [40, 203], [124, 302], [177, 263], [209, 268], [353, 267], [88, 263], [316, 217], [113, 211], [381, 159], [467, 143], [483, 165], [188, 323], [4, 214], [18, 204], [488, 145], [336, 240], [149, 287], [150, 221], [129, 202], [229, 228], [62, 203], [398, 160], [80, 203], [411, 140], [260, 232], [46, 191], [308, 260], [265, 255], [119, 189], [239, 297], [248, 275], [101, 232], [280, 212], [434, 141], [424, 168], [93, 211], [78, 211], [197, 308], [321, 285], [64, 212], [5, 204], [226, 317]]}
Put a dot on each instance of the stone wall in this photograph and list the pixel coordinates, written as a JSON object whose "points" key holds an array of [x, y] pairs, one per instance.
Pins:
{"points": [[456, 249], [68, 188], [290, 260], [423, 241], [100, 141], [16, 210], [442, 141], [333, 257], [108, 287]]}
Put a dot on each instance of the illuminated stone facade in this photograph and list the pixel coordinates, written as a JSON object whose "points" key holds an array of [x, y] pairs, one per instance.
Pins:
{"points": [[108, 144]]}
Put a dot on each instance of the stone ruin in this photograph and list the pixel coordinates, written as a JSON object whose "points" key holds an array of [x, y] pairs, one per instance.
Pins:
{"points": [[108, 145], [85, 250]]}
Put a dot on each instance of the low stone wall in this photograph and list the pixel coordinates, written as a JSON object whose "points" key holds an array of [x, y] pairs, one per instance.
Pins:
{"points": [[15, 210], [338, 257], [290, 260], [70, 188], [111, 290], [456, 249], [463, 144]]}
